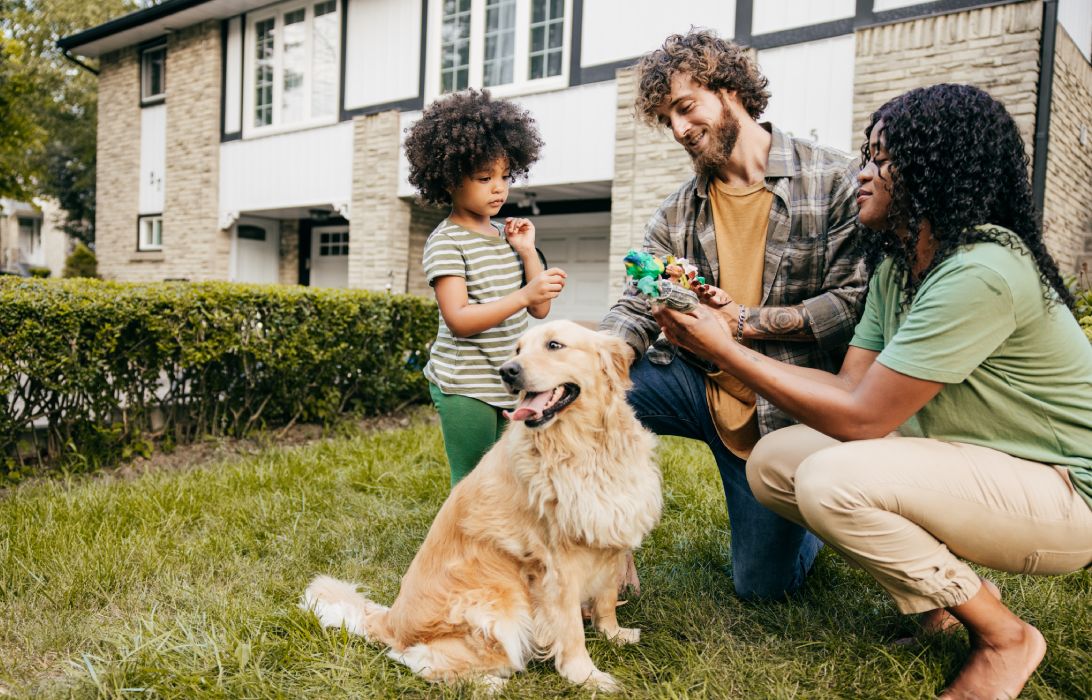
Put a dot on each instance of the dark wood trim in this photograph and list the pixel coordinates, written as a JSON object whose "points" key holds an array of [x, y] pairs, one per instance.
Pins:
{"points": [[745, 11], [576, 34], [602, 71], [304, 252], [343, 51], [1044, 94], [568, 206], [224, 24]]}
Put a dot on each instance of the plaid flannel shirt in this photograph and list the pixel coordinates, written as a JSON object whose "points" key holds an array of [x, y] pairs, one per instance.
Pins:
{"points": [[810, 259]]}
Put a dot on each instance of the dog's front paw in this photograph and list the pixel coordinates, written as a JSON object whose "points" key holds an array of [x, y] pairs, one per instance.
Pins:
{"points": [[603, 682], [626, 635]]}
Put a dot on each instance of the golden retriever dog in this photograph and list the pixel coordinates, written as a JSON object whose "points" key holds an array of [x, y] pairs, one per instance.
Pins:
{"points": [[542, 525]]}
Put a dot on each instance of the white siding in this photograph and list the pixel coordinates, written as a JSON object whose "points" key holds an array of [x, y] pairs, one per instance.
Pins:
{"points": [[1076, 17], [881, 5], [812, 104], [577, 126], [383, 51], [775, 15], [233, 77], [615, 30], [153, 157], [301, 168]]}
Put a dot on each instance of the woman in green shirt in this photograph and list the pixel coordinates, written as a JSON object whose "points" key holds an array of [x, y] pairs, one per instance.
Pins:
{"points": [[967, 350]]}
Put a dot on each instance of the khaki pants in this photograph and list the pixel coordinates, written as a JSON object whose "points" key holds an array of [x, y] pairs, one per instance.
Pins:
{"points": [[907, 509]]}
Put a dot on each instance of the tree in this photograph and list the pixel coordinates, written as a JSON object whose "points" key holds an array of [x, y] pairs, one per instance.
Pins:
{"points": [[48, 147]]}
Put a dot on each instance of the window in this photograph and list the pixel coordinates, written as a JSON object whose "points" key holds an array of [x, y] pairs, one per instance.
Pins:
{"points": [[292, 65], [153, 74], [508, 46], [151, 233], [30, 236], [333, 243]]}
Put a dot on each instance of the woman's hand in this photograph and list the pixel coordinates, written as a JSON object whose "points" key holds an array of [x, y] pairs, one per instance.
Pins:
{"points": [[710, 295], [520, 234], [704, 332]]}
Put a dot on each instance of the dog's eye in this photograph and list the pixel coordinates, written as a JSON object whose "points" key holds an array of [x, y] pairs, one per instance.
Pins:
{"points": [[554, 345]]}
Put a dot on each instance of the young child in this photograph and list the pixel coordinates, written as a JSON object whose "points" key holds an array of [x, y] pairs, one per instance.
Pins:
{"points": [[464, 153]]}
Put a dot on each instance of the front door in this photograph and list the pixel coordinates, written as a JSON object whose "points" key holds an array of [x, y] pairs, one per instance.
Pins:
{"points": [[330, 256], [257, 251]]}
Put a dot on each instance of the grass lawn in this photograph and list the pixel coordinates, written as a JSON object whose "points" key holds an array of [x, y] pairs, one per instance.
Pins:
{"points": [[184, 584]]}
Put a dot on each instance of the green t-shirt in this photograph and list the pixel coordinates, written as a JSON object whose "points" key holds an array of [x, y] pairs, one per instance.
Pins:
{"points": [[1018, 371]]}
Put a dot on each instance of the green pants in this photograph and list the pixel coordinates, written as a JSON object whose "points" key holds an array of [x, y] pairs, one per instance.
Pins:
{"points": [[470, 428]]}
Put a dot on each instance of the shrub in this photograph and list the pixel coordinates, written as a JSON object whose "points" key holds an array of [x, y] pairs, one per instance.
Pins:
{"points": [[39, 272], [112, 367], [81, 262], [1083, 311]]}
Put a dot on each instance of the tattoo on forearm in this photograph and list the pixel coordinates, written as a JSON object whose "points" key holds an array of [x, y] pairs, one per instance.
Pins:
{"points": [[778, 322]]}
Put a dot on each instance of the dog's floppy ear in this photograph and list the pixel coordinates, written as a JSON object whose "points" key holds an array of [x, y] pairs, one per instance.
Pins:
{"points": [[616, 356]]}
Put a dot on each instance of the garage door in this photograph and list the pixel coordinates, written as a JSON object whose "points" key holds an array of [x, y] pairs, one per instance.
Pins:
{"points": [[580, 245]]}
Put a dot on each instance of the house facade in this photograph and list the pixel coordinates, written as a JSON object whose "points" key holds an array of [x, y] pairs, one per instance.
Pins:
{"points": [[255, 141], [30, 240]]}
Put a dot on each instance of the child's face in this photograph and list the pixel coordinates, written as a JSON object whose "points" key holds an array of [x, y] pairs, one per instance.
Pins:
{"points": [[485, 191]]}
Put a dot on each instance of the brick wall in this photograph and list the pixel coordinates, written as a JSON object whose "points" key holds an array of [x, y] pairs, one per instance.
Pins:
{"points": [[117, 168], [648, 166], [379, 221], [1067, 209], [289, 272], [422, 221], [995, 48], [194, 247]]}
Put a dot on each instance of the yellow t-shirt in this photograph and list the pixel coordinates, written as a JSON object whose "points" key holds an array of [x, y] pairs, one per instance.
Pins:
{"points": [[741, 216]]}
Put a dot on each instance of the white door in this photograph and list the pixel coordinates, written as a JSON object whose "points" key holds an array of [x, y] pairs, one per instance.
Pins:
{"points": [[580, 245], [257, 251], [330, 256]]}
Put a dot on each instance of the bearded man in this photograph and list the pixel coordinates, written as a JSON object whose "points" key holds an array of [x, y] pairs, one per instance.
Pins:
{"points": [[769, 219]]}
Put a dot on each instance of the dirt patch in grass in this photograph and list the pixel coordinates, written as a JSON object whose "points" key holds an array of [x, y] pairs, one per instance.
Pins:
{"points": [[208, 450]]}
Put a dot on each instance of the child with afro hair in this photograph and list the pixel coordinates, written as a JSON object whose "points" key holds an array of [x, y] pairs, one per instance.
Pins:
{"points": [[464, 153]]}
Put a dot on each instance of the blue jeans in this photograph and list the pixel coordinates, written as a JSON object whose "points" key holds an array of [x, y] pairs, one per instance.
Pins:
{"points": [[770, 555]]}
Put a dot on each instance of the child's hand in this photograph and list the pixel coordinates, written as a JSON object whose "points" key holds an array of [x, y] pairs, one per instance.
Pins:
{"points": [[711, 296], [520, 234], [545, 286]]}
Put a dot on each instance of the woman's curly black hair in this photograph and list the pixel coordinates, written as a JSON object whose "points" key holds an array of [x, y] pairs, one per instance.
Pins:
{"points": [[958, 162], [714, 62], [459, 135]]}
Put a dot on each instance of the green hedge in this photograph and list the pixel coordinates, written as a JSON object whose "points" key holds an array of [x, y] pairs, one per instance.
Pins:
{"points": [[113, 367]]}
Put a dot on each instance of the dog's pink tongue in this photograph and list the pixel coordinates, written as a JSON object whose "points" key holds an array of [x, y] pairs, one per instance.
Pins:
{"points": [[531, 406]]}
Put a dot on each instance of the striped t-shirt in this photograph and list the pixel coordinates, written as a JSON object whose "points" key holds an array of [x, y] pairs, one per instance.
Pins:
{"points": [[471, 366]]}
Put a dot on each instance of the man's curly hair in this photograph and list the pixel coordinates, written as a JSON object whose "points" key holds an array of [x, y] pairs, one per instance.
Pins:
{"points": [[958, 162], [713, 62], [459, 135]]}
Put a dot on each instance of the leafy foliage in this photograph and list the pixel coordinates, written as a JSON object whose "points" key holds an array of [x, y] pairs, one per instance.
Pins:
{"points": [[48, 106], [81, 262], [112, 367]]}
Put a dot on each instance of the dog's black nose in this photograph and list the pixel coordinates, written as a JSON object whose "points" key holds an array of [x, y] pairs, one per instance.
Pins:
{"points": [[510, 372]]}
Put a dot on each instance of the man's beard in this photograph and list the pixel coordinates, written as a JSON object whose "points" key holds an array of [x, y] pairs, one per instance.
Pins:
{"points": [[722, 139]]}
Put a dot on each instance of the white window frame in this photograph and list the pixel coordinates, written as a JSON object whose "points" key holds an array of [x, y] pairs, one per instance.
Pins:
{"points": [[520, 84], [146, 224], [146, 75], [278, 11]]}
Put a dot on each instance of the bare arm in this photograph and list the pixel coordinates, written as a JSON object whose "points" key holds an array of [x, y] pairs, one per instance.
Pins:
{"points": [[466, 319], [864, 400]]}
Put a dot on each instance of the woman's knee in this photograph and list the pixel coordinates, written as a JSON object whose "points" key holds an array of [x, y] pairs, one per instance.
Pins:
{"points": [[833, 483], [775, 459]]}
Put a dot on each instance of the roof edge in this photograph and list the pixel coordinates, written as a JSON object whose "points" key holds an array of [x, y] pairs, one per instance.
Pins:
{"points": [[133, 19]]}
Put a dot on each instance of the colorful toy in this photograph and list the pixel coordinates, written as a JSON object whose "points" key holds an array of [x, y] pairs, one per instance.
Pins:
{"points": [[649, 275]]}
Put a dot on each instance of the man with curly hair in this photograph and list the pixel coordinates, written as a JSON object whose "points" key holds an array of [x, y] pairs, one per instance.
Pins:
{"points": [[768, 219]]}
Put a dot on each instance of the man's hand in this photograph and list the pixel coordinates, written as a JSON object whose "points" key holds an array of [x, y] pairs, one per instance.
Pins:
{"points": [[545, 286], [705, 332], [520, 234]]}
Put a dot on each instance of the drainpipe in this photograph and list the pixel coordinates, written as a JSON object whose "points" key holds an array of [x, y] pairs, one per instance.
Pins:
{"points": [[1042, 110], [68, 56]]}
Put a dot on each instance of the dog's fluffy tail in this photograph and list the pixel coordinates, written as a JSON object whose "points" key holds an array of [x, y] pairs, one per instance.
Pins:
{"points": [[338, 604]]}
